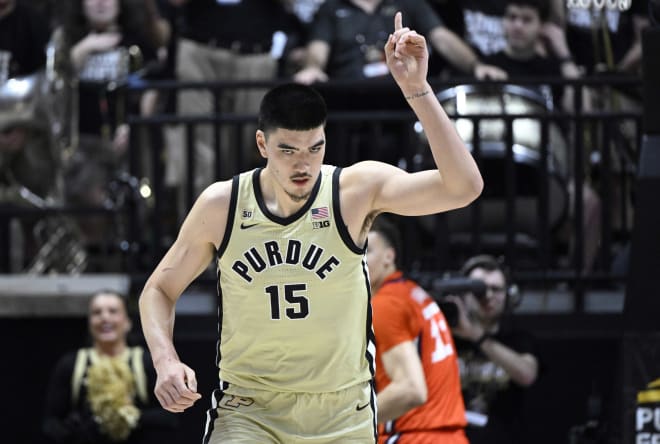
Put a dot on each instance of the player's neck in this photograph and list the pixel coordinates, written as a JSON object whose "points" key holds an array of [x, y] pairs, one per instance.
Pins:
{"points": [[277, 200]]}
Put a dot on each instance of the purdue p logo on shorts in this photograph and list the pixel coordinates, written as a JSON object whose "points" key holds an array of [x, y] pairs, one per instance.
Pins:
{"points": [[234, 402]]}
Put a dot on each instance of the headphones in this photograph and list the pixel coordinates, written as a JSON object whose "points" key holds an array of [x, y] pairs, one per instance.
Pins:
{"points": [[513, 296]]}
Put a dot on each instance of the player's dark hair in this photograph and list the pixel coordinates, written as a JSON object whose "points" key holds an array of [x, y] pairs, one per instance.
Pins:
{"points": [[541, 6], [390, 233], [292, 106]]}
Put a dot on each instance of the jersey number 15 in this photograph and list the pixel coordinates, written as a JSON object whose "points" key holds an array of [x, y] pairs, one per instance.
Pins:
{"points": [[297, 305]]}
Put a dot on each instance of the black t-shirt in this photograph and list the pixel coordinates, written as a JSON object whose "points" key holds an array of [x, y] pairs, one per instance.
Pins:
{"points": [[357, 38], [585, 31], [97, 104], [250, 22], [488, 390], [537, 66], [23, 37], [482, 21]]}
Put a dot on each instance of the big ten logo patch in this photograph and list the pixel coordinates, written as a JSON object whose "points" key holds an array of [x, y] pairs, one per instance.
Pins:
{"points": [[320, 217], [647, 415], [235, 402], [246, 214], [320, 224]]}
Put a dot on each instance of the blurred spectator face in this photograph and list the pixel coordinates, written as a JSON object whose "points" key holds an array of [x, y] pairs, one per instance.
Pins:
{"points": [[522, 27], [492, 305], [6, 7], [101, 13], [12, 140], [108, 320]]}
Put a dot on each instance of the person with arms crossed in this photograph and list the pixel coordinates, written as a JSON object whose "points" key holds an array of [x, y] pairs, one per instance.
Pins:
{"points": [[418, 385], [296, 344]]}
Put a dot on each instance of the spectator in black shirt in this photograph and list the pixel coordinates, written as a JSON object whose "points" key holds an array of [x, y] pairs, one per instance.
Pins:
{"points": [[526, 28], [481, 24], [497, 361], [110, 42], [347, 39], [225, 40], [607, 39]]}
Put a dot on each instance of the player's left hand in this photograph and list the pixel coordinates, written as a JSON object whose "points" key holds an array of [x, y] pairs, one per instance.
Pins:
{"points": [[407, 55]]}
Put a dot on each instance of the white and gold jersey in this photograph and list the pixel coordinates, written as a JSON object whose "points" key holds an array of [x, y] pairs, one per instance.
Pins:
{"points": [[294, 308]]}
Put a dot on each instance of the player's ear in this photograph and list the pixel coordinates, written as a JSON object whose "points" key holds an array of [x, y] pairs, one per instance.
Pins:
{"points": [[261, 143], [390, 255]]}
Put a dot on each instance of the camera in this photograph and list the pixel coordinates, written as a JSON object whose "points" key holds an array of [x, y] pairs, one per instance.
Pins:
{"points": [[440, 287], [458, 286]]}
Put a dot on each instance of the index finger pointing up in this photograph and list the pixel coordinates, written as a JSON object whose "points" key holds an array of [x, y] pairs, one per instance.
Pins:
{"points": [[398, 21]]}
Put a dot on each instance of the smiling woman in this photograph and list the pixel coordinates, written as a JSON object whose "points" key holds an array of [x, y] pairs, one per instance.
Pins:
{"points": [[103, 393]]}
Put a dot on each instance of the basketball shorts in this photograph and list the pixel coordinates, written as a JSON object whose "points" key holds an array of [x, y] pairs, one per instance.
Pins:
{"points": [[241, 416]]}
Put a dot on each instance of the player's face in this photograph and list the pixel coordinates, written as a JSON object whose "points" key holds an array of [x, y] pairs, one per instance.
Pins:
{"points": [[101, 12], [522, 27], [108, 320], [492, 305], [380, 259], [294, 159]]}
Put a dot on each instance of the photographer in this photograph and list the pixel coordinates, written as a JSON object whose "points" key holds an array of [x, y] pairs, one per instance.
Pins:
{"points": [[497, 361]]}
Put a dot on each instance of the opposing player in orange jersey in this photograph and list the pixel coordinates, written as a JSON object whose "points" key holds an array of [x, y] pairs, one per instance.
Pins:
{"points": [[417, 379]]}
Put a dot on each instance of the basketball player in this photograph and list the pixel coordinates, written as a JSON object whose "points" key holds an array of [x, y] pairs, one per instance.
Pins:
{"points": [[418, 384], [296, 345]]}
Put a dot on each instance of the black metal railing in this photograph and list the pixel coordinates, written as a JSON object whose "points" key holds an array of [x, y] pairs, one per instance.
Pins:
{"points": [[532, 210]]}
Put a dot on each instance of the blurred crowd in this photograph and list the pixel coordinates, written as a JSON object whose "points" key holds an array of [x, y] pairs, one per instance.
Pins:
{"points": [[64, 135]]}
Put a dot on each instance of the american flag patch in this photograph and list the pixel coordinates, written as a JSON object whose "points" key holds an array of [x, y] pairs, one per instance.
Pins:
{"points": [[320, 213]]}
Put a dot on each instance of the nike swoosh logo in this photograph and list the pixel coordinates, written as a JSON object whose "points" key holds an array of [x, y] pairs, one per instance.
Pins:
{"points": [[244, 226], [361, 407]]}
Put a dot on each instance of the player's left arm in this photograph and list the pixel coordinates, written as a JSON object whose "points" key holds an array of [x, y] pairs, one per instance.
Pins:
{"points": [[407, 388]]}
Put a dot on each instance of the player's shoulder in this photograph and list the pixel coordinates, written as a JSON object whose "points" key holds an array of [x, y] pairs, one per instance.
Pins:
{"points": [[217, 194], [211, 207]]}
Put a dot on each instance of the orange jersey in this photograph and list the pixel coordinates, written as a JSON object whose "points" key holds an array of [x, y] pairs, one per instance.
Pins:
{"points": [[403, 311]]}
